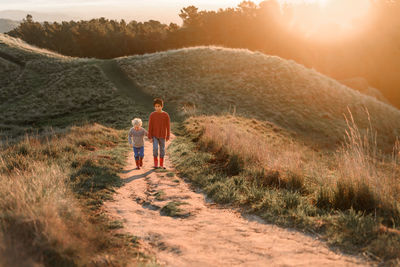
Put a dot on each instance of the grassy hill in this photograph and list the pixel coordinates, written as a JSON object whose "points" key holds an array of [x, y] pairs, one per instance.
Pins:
{"points": [[273, 156], [214, 80], [43, 89]]}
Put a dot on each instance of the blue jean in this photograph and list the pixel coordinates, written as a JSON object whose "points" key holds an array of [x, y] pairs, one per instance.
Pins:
{"points": [[158, 142], [139, 152]]}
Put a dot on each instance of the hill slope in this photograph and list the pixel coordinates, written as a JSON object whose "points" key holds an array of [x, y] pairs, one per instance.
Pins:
{"points": [[214, 79], [41, 88]]}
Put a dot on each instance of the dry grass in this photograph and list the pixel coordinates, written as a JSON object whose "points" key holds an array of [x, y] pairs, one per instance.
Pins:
{"points": [[362, 168], [350, 196], [24, 51], [261, 145], [42, 219], [248, 139], [357, 175], [212, 80], [51, 189]]}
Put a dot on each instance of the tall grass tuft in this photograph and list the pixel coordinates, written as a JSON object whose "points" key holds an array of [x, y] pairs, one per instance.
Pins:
{"points": [[40, 217], [367, 180], [251, 150]]}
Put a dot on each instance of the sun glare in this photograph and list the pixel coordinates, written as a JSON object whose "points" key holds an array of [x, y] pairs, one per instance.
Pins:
{"points": [[328, 19]]}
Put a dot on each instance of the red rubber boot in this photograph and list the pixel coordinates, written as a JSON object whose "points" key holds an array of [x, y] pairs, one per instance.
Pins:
{"points": [[155, 163], [162, 163], [137, 165]]}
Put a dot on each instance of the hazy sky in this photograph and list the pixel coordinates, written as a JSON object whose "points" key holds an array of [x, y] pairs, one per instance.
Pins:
{"points": [[162, 10]]}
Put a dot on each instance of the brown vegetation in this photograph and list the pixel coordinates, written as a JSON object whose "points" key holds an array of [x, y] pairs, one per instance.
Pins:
{"points": [[350, 196], [51, 189]]}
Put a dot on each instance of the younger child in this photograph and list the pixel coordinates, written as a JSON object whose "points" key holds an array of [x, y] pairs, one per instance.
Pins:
{"points": [[135, 138], [159, 131]]}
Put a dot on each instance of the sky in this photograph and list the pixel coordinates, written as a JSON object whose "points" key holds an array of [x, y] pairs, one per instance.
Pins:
{"points": [[140, 10]]}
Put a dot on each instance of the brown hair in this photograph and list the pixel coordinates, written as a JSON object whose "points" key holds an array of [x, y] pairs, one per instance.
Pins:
{"points": [[158, 101]]}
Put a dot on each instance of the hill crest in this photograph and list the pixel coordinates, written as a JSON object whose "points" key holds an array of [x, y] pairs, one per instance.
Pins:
{"points": [[216, 79], [20, 49]]}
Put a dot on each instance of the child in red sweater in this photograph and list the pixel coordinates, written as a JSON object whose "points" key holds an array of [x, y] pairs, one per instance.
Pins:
{"points": [[159, 131]]}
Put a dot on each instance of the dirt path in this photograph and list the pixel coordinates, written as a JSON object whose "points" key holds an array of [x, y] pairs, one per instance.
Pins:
{"points": [[204, 234], [128, 88], [125, 85], [12, 59]]}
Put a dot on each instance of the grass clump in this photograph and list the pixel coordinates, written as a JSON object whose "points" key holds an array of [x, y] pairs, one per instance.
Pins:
{"points": [[170, 174], [161, 170], [160, 195], [115, 225], [172, 209]]}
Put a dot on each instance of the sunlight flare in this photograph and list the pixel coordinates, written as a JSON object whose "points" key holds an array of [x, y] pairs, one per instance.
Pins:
{"points": [[328, 20]]}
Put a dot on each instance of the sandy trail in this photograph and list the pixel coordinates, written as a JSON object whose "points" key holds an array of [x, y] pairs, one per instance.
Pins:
{"points": [[206, 235]]}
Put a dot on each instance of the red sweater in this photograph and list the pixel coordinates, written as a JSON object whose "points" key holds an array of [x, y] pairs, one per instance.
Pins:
{"points": [[159, 125]]}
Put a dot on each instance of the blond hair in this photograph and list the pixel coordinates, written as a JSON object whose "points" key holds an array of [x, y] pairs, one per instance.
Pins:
{"points": [[137, 121]]}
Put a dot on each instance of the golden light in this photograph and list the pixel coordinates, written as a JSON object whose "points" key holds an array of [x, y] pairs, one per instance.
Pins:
{"points": [[328, 20]]}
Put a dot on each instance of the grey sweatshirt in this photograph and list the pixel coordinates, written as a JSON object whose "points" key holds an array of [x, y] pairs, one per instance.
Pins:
{"points": [[136, 137]]}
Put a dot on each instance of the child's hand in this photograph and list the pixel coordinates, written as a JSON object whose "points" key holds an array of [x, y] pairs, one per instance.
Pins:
{"points": [[167, 139], [151, 140]]}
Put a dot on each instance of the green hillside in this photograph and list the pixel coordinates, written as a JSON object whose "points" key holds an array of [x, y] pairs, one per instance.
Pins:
{"points": [[213, 80], [42, 89], [267, 146]]}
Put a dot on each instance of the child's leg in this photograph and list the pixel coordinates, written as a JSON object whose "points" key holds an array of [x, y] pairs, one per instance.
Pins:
{"points": [[155, 147], [141, 156], [155, 151], [136, 150], [162, 151], [162, 147], [141, 152]]}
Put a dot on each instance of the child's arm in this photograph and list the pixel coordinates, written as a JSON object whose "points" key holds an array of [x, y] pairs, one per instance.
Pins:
{"points": [[168, 127], [130, 137], [150, 129]]}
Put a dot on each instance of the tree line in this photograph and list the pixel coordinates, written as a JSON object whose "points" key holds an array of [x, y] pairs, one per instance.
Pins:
{"points": [[267, 27]]}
